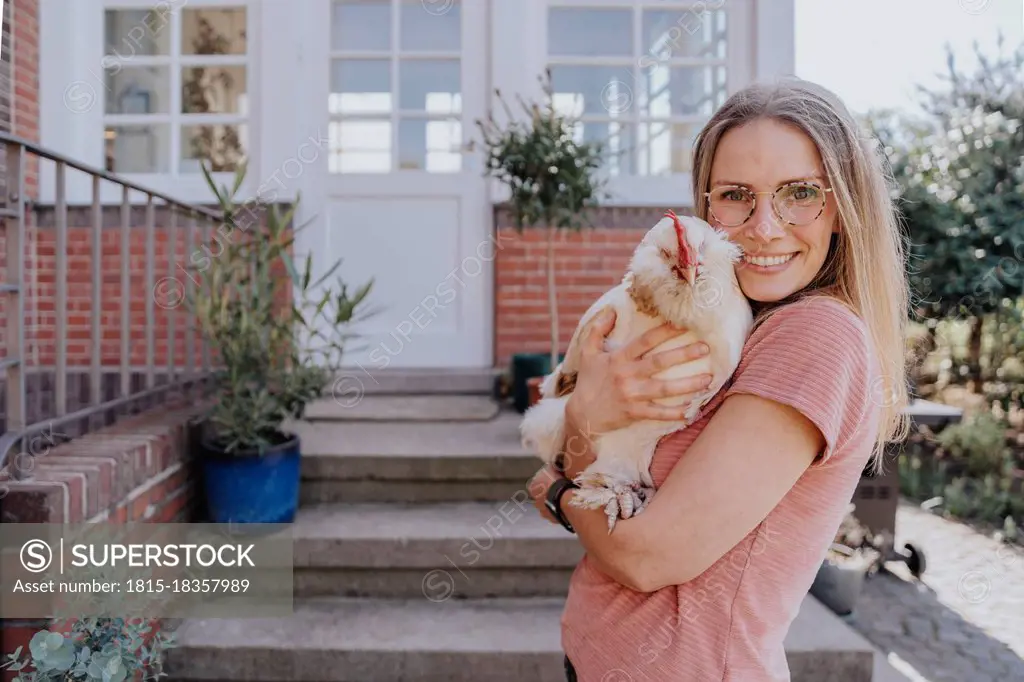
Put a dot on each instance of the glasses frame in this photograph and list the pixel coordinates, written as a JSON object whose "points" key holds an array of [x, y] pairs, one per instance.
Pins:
{"points": [[775, 209]]}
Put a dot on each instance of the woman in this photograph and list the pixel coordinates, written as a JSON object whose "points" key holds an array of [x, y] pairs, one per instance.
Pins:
{"points": [[703, 585]]}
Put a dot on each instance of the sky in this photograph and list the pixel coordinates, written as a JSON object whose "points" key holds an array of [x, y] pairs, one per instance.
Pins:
{"points": [[873, 52]]}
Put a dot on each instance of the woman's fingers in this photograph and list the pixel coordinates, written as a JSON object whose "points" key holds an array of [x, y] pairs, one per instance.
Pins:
{"points": [[650, 340], [656, 362], [653, 389], [597, 329], [668, 413]]}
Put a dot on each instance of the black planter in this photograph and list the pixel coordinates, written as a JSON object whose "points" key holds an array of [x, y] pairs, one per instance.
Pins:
{"points": [[524, 367]]}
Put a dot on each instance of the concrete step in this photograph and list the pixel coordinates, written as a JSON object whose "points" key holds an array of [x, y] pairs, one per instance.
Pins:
{"points": [[461, 550], [404, 408], [426, 381], [501, 640], [344, 640], [413, 462]]}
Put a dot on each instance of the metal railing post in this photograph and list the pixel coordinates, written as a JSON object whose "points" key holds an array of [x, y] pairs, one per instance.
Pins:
{"points": [[190, 327], [126, 284], [172, 306], [14, 289], [149, 293], [61, 306], [96, 332], [207, 233]]}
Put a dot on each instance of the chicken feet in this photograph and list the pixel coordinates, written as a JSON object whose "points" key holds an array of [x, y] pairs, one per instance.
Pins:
{"points": [[619, 497]]}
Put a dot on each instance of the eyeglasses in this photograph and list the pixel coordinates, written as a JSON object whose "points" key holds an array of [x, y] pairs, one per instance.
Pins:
{"points": [[795, 203]]}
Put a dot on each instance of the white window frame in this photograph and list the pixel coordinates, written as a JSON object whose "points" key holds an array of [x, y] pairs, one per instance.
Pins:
{"points": [[393, 114], [72, 104], [284, 129], [760, 36]]}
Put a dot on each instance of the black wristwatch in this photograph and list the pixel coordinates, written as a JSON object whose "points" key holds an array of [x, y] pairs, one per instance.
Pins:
{"points": [[553, 499]]}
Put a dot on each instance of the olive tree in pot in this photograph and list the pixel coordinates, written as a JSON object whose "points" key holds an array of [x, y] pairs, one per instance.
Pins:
{"points": [[552, 178], [279, 337]]}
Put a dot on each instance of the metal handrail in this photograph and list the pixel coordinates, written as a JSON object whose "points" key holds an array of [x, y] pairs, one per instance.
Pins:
{"points": [[13, 215], [44, 153]]}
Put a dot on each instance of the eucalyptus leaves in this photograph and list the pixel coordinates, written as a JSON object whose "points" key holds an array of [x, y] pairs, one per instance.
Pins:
{"points": [[95, 650]]}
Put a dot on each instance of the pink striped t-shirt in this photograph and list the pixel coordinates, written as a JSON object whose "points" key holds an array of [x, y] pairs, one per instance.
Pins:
{"points": [[729, 623]]}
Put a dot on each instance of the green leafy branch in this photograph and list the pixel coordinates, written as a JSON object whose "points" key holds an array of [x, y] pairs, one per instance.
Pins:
{"points": [[553, 177], [279, 332]]}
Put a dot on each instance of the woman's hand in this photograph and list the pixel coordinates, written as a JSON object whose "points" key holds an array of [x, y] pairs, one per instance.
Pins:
{"points": [[538, 488], [616, 388]]}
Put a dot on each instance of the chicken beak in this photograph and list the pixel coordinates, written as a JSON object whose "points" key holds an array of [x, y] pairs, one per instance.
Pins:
{"points": [[691, 274]]}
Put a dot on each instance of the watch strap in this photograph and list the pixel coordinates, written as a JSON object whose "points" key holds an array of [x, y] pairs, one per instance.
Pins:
{"points": [[553, 500]]}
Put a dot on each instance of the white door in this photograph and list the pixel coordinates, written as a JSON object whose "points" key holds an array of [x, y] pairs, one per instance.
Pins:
{"points": [[402, 199]]}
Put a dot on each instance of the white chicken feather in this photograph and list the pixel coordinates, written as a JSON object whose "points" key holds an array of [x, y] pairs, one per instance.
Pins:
{"points": [[682, 272]]}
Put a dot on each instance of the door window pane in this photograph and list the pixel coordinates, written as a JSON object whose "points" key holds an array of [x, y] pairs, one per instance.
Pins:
{"points": [[684, 33], [360, 87], [209, 67], [221, 147], [131, 32], [595, 32], [431, 26], [213, 89], [430, 86], [432, 146], [616, 139], [361, 25], [213, 31], [138, 90], [665, 148], [138, 149], [682, 91], [359, 146], [593, 90]]}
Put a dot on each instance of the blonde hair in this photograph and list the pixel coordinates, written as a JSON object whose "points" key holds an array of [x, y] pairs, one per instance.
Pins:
{"points": [[865, 266]]}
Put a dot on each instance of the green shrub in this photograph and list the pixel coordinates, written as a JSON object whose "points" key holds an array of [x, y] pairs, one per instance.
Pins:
{"points": [[95, 650], [980, 442]]}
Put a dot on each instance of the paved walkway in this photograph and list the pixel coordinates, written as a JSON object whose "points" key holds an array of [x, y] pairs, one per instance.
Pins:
{"points": [[964, 622]]}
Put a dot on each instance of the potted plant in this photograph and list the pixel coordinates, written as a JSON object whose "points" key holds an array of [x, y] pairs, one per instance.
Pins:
{"points": [[854, 554], [552, 179], [279, 337], [95, 650]]}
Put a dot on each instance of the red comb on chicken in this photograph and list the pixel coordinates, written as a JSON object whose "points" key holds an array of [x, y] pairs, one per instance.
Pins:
{"points": [[687, 260]]}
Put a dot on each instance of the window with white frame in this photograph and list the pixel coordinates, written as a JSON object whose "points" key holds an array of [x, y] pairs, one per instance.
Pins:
{"points": [[642, 76], [396, 87], [176, 82]]}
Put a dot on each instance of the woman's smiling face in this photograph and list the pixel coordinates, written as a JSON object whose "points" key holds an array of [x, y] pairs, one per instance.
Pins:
{"points": [[779, 259]]}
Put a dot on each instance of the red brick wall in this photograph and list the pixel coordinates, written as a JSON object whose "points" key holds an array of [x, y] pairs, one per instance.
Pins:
{"points": [[166, 292], [6, 84], [588, 263], [138, 470], [25, 76]]}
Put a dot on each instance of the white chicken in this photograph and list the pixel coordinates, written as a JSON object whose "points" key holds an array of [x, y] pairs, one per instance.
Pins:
{"points": [[682, 272]]}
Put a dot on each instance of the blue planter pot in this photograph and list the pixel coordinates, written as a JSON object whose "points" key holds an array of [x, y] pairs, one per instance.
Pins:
{"points": [[249, 487]]}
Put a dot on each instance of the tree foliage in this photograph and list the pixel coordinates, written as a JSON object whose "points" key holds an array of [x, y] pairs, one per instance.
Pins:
{"points": [[552, 177], [960, 172]]}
